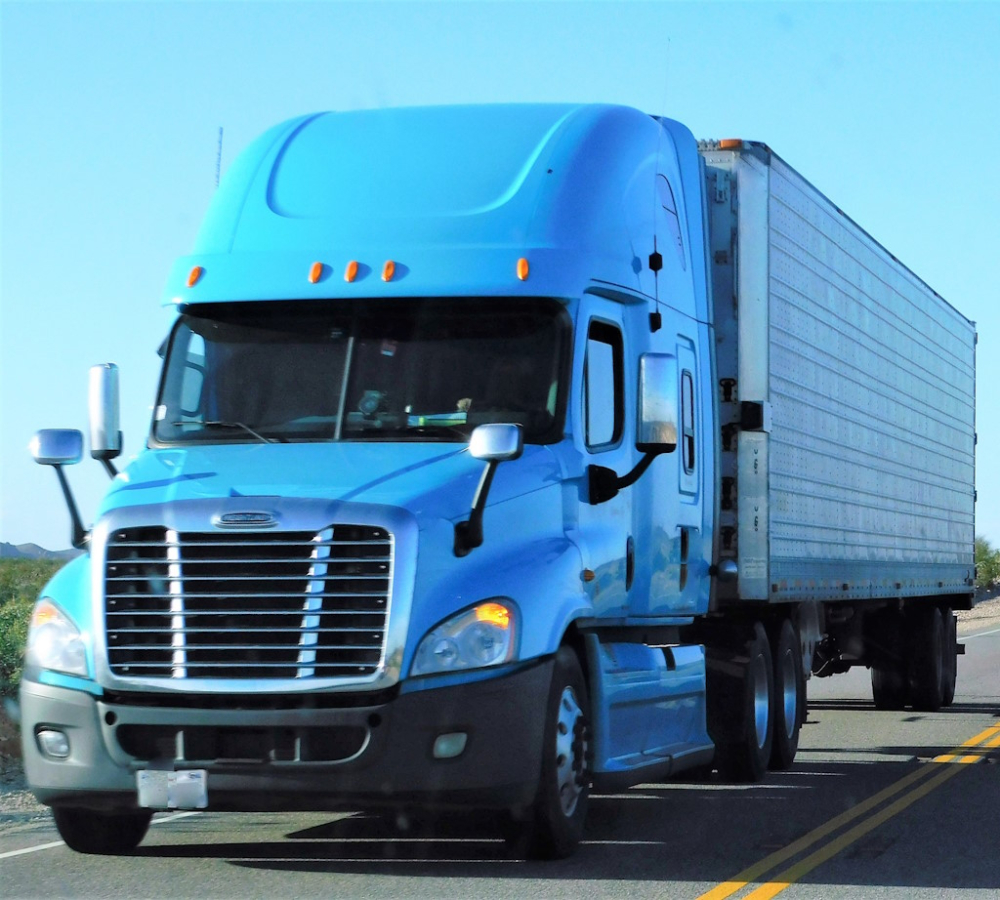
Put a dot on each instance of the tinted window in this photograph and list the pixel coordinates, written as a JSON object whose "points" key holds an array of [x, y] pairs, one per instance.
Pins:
{"points": [[604, 386]]}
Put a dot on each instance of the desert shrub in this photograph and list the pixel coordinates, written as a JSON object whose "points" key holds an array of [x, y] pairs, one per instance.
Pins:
{"points": [[20, 582]]}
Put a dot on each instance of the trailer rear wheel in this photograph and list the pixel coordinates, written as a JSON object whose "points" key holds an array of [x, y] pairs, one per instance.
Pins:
{"points": [[742, 723], [561, 805], [789, 693], [890, 680], [926, 657], [889, 687], [949, 663], [106, 833]]}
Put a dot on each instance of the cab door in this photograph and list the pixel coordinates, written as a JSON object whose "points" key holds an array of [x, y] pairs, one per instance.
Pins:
{"points": [[604, 415], [669, 498]]}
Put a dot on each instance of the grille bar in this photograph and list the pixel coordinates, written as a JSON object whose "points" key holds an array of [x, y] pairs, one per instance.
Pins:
{"points": [[258, 605]]}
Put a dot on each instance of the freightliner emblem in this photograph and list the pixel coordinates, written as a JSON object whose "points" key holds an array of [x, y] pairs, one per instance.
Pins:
{"points": [[245, 520]]}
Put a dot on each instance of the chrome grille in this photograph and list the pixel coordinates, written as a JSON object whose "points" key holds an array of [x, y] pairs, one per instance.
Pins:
{"points": [[247, 605]]}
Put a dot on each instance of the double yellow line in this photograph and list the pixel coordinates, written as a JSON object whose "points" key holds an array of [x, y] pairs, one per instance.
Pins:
{"points": [[972, 751]]}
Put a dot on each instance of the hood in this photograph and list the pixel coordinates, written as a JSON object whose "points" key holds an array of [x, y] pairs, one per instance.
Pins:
{"points": [[432, 481]]}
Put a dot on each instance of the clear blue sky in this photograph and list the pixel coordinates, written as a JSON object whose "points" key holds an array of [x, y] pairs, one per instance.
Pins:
{"points": [[111, 111]]}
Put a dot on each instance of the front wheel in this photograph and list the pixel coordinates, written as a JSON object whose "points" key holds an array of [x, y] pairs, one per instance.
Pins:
{"points": [[106, 833], [561, 804]]}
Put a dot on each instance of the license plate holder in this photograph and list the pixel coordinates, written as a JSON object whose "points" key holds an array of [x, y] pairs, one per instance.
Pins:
{"points": [[185, 789]]}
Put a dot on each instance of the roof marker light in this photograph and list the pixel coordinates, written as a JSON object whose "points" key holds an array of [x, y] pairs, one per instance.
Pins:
{"points": [[522, 269], [316, 272], [730, 144], [351, 272], [194, 275], [388, 270]]}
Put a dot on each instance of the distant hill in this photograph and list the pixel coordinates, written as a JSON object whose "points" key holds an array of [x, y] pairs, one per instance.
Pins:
{"points": [[33, 551]]}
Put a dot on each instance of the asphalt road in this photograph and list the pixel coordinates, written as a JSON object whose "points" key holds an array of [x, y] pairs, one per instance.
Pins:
{"points": [[877, 805]]}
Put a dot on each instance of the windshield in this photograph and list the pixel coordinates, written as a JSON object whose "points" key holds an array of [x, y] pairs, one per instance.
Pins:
{"points": [[364, 370]]}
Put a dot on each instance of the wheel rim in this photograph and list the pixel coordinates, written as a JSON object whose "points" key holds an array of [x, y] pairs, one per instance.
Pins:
{"points": [[571, 748], [761, 702], [789, 693]]}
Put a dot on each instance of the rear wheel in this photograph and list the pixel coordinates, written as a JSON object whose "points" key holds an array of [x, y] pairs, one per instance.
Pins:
{"points": [[889, 686], [742, 723], [790, 695], [949, 661], [926, 656], [107, 833], [560, 808], [890, 682]]}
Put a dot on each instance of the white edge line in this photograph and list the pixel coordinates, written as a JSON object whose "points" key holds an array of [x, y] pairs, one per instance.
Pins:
{"points": [[978, 634], [11, 853]]}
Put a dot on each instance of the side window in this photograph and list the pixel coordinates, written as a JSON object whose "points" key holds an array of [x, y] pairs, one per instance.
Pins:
{"points": [[687, 422], [194, 376], [604, 386]]}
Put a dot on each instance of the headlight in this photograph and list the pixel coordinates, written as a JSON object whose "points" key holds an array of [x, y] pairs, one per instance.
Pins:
{"points": [[54, 642], [481, 636]]}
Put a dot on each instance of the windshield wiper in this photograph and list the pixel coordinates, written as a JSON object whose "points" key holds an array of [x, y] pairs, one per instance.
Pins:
{"points": [[216, 423]]}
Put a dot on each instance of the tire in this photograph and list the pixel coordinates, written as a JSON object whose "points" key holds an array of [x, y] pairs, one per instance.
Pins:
{"points": [[743, 748], [789, 696], [890, 690], [560, 808], [890, 681], [106, 833], [926, 657], [949, 659]]}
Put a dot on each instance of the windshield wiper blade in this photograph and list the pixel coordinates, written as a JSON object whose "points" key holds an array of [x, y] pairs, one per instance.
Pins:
{"points": [[217, 423]]}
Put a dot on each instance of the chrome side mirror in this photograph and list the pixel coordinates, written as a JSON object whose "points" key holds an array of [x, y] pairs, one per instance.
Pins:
{"points": [[657, 420], [496, 442], [656, 430], [57, 447], [105, 436]]}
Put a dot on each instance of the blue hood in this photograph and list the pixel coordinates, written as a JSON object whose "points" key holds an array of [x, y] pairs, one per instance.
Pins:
{"points": [[432, 481]]}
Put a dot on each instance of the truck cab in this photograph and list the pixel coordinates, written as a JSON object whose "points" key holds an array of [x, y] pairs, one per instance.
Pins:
{"points": [[428, 497]]}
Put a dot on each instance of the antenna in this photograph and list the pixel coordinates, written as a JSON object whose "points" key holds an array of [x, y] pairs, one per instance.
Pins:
{"points": [[655, 259], [218, 159]]}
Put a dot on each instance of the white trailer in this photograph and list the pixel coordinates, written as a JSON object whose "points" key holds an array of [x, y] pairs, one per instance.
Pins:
{"points": [[847, 416]]}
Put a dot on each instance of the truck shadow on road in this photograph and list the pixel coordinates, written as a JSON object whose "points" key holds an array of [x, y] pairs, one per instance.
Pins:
{"points": [[697, 833]]}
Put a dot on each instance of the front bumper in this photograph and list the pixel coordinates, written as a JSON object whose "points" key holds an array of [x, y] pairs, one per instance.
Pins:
{"points": [[299, 759]]}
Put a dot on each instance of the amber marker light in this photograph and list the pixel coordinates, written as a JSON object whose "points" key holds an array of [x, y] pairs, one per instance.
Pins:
{"points": [[351, 272], [522, 269], [388, 270], [194, 275], [730, 144], [315, 272], [495, 614]]}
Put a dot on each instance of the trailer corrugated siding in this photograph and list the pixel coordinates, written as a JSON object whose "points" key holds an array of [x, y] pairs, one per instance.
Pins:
{"points": [[865, 478]]}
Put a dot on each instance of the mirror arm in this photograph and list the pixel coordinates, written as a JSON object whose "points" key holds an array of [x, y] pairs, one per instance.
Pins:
{"points": [[469, 534], [80, 537], [604, 484], [637, 473], [109, 467]]}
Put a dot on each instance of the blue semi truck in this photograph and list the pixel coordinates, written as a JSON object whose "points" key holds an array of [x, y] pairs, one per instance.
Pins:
{"points": [[500, 454]]}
